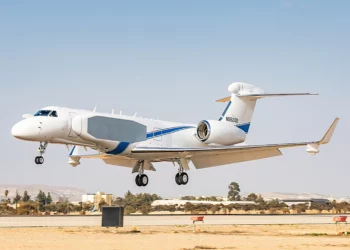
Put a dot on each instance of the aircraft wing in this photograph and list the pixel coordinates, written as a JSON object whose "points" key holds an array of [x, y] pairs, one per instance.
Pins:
{"points": [[215, 156]]}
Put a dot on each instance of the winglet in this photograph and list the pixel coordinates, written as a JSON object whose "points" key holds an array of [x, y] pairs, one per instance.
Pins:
{"points": [[328, 135], [312, 148]]}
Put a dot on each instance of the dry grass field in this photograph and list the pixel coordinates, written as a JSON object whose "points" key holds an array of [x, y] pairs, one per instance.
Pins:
{"points": [[175, 237]]}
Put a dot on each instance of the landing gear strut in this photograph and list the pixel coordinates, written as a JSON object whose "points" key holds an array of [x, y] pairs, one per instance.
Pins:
{"points": [[181, 178], [41, 149], [141, 179]]}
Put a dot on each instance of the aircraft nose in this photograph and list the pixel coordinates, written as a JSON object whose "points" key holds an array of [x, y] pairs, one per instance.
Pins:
{"points": [[23, 130], [17, 130]]}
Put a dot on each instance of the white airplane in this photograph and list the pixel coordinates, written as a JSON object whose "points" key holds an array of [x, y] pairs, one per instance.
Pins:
{"points": [[137, 143]]}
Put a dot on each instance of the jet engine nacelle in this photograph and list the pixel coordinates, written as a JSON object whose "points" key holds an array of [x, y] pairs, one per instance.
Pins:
{"points": [[219, 132]]}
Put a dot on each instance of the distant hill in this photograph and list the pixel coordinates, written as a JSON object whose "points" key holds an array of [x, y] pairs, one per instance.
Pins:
{"points": [[73, 194]]}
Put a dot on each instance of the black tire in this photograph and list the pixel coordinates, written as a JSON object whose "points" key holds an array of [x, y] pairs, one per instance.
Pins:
{"points": [[137, 180], [177, 179], [36, 160], [144, 180], [40, 160], [184, 178]]}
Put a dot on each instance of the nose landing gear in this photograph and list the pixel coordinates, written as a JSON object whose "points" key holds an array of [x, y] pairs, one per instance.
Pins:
{"points": [[39, 160], [41, 149]]}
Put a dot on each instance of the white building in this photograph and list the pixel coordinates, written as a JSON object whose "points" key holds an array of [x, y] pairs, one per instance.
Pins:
{"points": [[96, 198], [179, 202]]}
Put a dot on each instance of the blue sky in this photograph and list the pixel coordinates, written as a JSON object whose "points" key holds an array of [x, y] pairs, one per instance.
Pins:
{"points": [[170, 60]]}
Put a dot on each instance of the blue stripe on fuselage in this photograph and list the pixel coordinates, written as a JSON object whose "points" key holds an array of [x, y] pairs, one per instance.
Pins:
{"points": [[119, 149], [123, 145], [166, 131]]}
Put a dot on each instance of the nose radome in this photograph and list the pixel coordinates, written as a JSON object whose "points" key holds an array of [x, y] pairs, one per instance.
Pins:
{"points": [[17, 130], [25, 130]]}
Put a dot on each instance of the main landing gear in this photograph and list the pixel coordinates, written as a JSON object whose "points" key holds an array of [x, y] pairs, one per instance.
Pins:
{"points": [[181, 178], [41, 149], [141, 178]]}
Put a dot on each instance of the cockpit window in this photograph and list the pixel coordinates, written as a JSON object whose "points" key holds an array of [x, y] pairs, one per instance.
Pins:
{"points": [[43, 113], [52, 113]]}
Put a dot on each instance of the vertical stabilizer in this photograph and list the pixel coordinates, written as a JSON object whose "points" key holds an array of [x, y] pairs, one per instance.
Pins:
{"points": [[240, 110]]}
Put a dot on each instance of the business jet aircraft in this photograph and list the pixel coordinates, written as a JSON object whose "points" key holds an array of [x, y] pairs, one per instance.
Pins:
{"points": [[137, 143]]}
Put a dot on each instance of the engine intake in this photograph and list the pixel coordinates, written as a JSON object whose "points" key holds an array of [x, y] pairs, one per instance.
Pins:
{"points": [[203, 130], [219, 132]]}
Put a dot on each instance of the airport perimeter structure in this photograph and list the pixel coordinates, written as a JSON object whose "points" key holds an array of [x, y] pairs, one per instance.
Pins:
{"points": [[162, 220]]}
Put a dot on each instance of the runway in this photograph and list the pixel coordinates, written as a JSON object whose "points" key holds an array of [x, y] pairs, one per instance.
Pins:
{"points": [[166, 220]]}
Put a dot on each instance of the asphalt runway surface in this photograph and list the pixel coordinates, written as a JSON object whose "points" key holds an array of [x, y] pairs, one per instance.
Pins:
{"points": [[164, 220]]}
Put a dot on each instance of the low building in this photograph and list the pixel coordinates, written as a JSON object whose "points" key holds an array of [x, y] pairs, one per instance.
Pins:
{"points": [[309, 201], [97, 198], [179, 202]]}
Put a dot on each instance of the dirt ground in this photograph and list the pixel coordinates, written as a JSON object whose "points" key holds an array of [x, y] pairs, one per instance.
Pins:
{"points": [[175, 237]]}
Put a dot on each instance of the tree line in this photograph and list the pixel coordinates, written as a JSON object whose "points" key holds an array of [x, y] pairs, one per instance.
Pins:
{"points": [[132, 203], [42, 202], [41, 197]]}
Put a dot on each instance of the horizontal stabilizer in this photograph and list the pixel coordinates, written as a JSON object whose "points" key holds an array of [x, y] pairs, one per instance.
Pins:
{"points": [[225, 99], [258, 96]]}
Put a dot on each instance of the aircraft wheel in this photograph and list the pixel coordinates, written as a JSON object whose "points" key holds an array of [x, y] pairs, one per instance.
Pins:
{"points": [[177, 179], [184, 178], [144, 180], [138, 181], [39, 160]]}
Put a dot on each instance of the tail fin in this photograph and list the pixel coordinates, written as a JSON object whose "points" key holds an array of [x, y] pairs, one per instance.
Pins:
{"points": [[242, 101]]}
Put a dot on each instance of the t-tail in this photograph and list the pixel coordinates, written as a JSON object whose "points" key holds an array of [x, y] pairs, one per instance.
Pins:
{"points": [[241, 103]]}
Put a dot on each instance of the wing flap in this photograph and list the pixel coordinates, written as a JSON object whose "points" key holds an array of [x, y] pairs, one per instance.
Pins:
{"points": [[222, 159], [185, 152], [129, 163]]}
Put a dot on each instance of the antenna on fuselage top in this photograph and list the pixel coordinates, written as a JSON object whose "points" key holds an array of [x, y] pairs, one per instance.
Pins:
{"points": [[120, 113], [94, 109], [112, 111], [134, 115]]}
